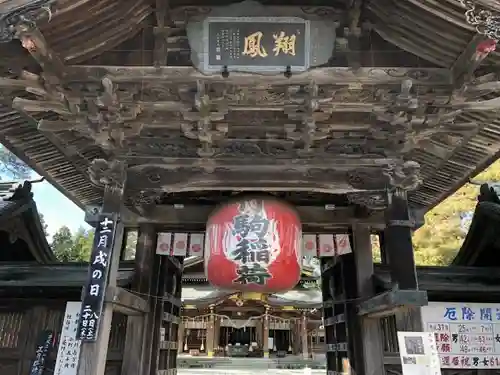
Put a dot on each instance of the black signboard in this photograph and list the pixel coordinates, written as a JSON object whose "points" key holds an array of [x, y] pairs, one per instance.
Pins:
{"points": [[45, 344], [257, 44], [97, 279]]}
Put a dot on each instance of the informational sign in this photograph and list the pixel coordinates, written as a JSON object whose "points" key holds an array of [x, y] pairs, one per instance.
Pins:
{"points": [[419, 355], [95, 288], [68, 353], [467, 334], [44, 346], [254, 42]]}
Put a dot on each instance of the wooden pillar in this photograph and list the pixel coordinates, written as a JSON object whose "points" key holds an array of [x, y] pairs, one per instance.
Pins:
{"points": [[353, 321], [265, 335], [342, 329], [398, 248], [259, 330], [180, 338], [170, 316], [210, 334], [155, 320], [398, 242], [216, 332], [303, 337], [373, 352], [93, 354], [138, 339], [327, 290]]}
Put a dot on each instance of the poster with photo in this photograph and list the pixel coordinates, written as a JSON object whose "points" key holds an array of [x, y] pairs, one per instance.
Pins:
{"points": [[419, 355]]}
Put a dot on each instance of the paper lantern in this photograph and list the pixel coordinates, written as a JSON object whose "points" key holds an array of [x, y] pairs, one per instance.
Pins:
{"points": [[254, 244]]}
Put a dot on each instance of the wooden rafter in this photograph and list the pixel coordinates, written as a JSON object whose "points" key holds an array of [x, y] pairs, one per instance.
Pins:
{"points": [[476, 52]]}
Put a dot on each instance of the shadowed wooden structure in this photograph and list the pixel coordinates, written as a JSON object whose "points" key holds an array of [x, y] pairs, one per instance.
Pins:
{"points": [[35, 289], [361, 114]]}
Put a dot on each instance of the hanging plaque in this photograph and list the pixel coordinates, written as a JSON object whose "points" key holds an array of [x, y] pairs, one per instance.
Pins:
{"points": [[44, 345], [68, 354], [95, 288], [257, 43]]}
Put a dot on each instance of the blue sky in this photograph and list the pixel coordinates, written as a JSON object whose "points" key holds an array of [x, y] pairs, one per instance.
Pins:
{"points": [[56, 209]]}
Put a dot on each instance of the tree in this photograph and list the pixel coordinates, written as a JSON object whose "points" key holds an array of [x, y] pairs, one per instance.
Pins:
{"points": [[69, 247], [43, 224], [12, 167], [76, 247], [439, 240], [130, 245]]}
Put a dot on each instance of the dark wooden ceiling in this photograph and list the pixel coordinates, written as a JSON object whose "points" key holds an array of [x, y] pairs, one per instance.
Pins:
{"points": [[349, 129]]}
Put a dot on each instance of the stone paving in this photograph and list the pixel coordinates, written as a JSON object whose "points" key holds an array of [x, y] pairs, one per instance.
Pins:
{"points": [[248, 371], [249, 366]]}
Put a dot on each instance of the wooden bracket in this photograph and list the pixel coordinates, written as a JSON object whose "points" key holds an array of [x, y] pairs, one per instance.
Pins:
{"points": [[388, 303], [401, 223], [126, 302]]}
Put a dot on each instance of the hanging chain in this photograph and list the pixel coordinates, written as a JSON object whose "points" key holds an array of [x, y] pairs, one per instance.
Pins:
{"points": [[486, 22]]}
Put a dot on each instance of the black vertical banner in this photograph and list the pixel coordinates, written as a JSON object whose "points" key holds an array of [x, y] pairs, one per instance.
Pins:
{"points": [[97, 279], [44, 345]]}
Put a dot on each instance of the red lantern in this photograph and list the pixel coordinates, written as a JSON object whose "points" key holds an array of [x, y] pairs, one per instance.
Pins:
{"points": [[254, 244]]}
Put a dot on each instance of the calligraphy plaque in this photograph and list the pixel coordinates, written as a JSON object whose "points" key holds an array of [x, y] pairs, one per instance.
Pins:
{"points": [[44, 345], [97, 280], [257, 43]]}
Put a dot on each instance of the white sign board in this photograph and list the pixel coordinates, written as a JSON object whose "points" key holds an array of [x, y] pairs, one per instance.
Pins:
{"points": [[68, 353], [467, 334], [419, 355]]}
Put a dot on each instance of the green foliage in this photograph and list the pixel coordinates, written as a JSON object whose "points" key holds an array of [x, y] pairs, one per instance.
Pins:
{"points": [[43, 224], [438, 241], [76, 247], [69, 247]]}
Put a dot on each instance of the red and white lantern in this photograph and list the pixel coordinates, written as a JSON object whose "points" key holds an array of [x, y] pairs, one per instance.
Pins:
{"points": [[254, 244]]}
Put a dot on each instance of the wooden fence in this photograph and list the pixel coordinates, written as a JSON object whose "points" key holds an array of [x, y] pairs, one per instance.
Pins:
{"points": [[21, 323]]}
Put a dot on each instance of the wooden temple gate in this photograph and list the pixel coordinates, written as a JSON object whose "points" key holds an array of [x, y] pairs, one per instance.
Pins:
{"points": [[152, 116], [352, 328]]}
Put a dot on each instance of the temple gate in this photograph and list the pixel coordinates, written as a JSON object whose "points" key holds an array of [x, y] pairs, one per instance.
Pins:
{"points": [[361, 115]]}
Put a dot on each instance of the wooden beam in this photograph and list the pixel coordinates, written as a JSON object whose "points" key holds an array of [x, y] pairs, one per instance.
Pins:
{"points": [[174, 124], [266, 163], [126, 302], [338, 76], [353, 33], [28, 106], [471, 58], [197, 216], [34, 42], [392, 301], [161, 33]]}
